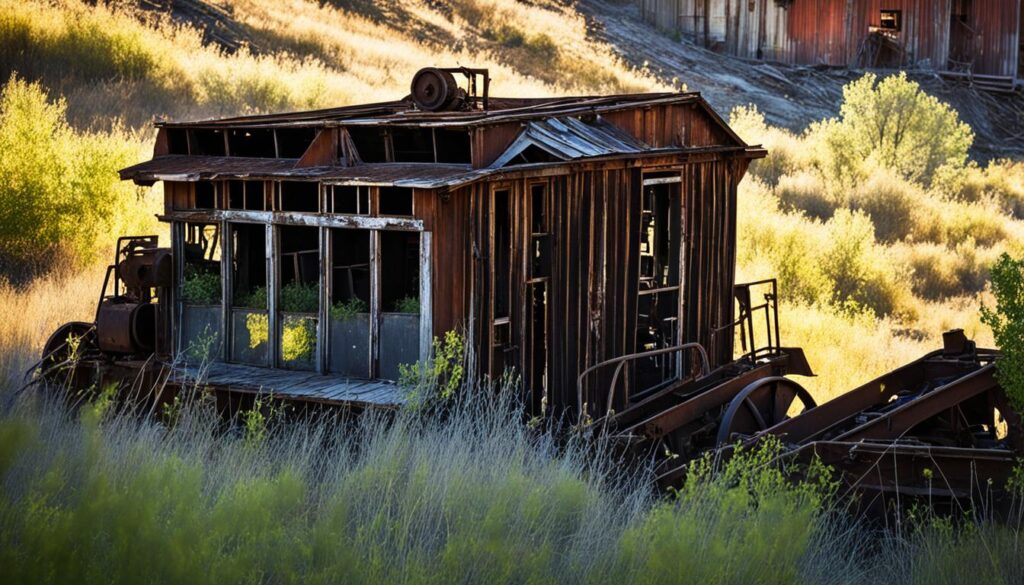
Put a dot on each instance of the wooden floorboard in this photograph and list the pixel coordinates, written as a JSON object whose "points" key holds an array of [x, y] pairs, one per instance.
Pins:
{"points": [[327, 388]]}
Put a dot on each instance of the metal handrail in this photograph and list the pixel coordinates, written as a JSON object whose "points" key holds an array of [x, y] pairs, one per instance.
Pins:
{"points": [[622, 360]]}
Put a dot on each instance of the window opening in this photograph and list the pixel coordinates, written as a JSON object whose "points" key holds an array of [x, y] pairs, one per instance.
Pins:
{"points": [[658, 302], [293, 142], [400, 302], [177, 140], [250, 325], [246, 195], [350, 303], [394, 201], [540, 235], [207, 142], [252, 142], [298, 196], [533, 154], [299, 296], [452, 146], [201, 292], [891, 20], [370, 143], [412, 144], [350, 199], [205, 195]]}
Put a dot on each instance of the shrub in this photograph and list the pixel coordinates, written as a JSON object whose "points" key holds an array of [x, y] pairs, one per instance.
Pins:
{"points": [[200, 287], [407, 305], [1007, 323], [783, 147], [346, 310], [299, 297], [805, 192], [59, 188], [891, 123], [298, 339], [889, 201], [939, 272], [254, 299]]}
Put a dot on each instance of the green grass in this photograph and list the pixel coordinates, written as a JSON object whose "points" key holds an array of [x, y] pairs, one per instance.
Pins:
{"points": [[470, 494]]}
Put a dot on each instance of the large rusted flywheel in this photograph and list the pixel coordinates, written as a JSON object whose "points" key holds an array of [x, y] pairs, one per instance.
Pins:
{"points": [[762, 404]]}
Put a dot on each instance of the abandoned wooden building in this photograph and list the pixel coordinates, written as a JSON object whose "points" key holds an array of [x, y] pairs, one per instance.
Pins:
{"points": [[975, 37], [316, 252]]}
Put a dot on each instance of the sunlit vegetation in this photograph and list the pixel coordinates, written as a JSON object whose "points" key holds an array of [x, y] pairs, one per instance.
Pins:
{"points": [[881, 231]]}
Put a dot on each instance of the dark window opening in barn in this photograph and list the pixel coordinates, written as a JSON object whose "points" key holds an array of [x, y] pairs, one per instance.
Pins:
{"points": [[349, 327], [200, 291], [370, 143], [533, 154], [961, 37], [538, 351], [251, 142], [891, 20], [246, 195], [412, 144], [177, 140], [293, 142], [298, 265], [659, 290], [540, 235], [205, 195], [394, 201], [250, 325], [350, 199], [501, 251], [452, 146], [399, 272], [207, 142], [298, 196]]}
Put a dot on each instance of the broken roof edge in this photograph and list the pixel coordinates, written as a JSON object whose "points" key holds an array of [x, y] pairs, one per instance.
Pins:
{"points": [[186, 168], [401, 112]]}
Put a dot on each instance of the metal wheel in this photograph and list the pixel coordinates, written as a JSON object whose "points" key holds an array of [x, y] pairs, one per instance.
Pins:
{"points": [[69, 341], [762, 404]]}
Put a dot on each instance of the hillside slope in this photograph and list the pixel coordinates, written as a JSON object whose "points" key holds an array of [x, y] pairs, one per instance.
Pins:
{"points": [[789, 96]]}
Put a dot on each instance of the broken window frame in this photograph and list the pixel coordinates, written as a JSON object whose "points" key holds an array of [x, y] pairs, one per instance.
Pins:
{"points": [[232, 307], [890, 20], [325, 223], [667, 284], [184, 234], [386, 137]]}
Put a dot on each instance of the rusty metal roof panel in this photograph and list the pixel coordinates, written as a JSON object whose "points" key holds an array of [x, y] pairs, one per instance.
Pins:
{"points": [[570, 138]]}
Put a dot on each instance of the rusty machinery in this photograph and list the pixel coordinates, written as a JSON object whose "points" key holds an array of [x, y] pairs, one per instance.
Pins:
{"points": [[130, 320]]}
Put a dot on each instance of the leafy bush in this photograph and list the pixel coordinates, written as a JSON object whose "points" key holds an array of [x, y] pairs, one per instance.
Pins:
{"points": [[1007, 323], [200, 287], [784, 149], [890, 203], [441, 375], [254, 299], [347, 310], [890, 123], [59, 189], [298, 297], [407, 305]]}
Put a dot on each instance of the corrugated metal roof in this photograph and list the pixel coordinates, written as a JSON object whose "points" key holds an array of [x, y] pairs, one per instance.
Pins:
{"points": [[176, 167], [570, 138]]}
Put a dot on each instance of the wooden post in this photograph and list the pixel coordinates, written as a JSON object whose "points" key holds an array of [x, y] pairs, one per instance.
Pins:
{"points": [[273, 341], [426, 305]]}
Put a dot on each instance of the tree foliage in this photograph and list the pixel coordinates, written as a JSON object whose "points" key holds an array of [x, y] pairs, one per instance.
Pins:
{"points": [[893, 124], [1007, 323], [59, 188]]}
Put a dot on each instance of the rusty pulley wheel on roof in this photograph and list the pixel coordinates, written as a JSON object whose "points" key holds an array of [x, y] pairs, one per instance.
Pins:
{"points": [[761, 405], [434, 89]]}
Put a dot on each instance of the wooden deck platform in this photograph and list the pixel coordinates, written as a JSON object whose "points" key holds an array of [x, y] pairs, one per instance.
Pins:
{"points": [[294, 385]]}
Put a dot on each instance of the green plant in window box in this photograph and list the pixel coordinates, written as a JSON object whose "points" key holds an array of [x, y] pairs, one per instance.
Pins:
{"points": [[347, 310], [407, 305], [254, 299], [200, 287], [298, 297]]}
